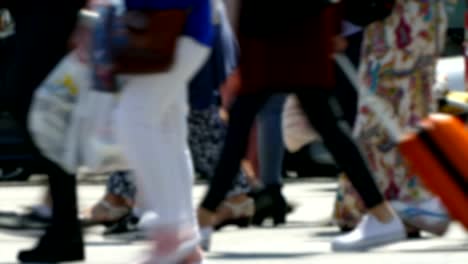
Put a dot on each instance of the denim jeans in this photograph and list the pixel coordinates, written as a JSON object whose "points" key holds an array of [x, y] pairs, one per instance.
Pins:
{"points": [[270, 140]]}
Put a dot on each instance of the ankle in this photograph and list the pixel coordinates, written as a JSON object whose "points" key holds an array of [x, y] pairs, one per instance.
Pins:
{"points": [[383, 213], [206, 218], [116, 200]]}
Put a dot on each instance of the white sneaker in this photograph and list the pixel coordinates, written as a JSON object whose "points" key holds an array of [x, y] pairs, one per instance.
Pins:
{"points": [[370, 233], [205, 241], [188, 252], [429, 215]]}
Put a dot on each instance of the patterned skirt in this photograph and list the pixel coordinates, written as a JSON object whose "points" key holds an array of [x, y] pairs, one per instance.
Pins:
{"points": [[397, 65]]}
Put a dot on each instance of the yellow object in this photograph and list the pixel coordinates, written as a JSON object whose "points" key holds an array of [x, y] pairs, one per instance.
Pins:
{"points": [[70, 84], [457, 97]]}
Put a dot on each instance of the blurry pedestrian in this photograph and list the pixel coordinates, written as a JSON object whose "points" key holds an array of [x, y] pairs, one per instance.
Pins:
{"points": [[151, 122], [206, 135], [42, 30], [294, 55], [271, 154], [398, 64], [207, 127]]}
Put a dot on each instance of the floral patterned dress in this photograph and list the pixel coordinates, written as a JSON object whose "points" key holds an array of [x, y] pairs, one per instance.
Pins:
{"points": [[398, 65]]}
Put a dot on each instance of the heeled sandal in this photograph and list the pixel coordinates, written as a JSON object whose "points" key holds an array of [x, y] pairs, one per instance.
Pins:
{"points": [[241, 214], [270, 203], [104, 213]]}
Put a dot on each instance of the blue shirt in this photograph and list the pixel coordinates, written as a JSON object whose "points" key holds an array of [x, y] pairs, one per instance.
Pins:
{"points": [[199, 23], [204, 87]]}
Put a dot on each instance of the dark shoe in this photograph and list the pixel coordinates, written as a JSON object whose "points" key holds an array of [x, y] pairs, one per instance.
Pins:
{"points": [[55, 247], [125, 228], [413, 234], [35, 217], [106, 214], [270, 203]]}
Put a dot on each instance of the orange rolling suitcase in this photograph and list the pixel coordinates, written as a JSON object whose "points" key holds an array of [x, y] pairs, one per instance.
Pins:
{"points": [[437, 152]]}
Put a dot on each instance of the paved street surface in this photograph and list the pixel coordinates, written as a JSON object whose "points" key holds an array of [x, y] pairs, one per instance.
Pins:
{"points": [[303, 240]]}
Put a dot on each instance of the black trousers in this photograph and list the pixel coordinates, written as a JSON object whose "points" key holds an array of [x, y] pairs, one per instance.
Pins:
{"points": [[324, 114], [344, 90], [42, 32]]}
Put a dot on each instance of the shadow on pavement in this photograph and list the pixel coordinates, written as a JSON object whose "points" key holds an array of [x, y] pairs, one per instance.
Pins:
{"points": [[15, 221], [463, 247], [327, 233], [263, 255], [324, 189], [107, 243], [293, 224]]}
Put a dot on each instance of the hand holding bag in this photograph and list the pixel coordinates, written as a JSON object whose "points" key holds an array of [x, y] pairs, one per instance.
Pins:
{"points": [[151, 38], [137, 42], [71, 124]]}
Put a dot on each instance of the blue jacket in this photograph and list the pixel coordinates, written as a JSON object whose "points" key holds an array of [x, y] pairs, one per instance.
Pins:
{"points": [[204, 87]]}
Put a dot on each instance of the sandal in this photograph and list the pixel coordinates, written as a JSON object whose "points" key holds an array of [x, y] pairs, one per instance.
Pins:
{"points": [[241, 214], [104, 213]]}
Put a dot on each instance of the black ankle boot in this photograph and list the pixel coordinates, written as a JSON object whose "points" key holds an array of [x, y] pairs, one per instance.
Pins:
{"points": [[270, 203], [55, 247]]}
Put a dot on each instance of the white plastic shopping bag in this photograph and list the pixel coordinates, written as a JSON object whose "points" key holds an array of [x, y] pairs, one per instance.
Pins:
{"points": [[101, 151], [52, 111], [70, 123], [297, 131]]}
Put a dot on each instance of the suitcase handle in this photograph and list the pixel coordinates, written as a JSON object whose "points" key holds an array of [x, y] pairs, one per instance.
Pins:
{"points": [[374, 102]]}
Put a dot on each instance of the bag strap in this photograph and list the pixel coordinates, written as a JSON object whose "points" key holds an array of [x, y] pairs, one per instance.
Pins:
{"points": [[374, 102]]}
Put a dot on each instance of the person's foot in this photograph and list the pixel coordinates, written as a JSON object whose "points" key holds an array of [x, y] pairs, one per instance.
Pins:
{"points": [[205, 241], [270, 203], [105, 212], [206, 221], [194, 258], [55, 247], [37, 217], [236, 211], [174, 247], [370, 233], [125, 228], [40, 213], [429, 215]]}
